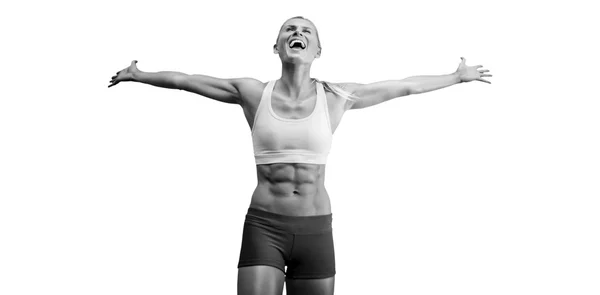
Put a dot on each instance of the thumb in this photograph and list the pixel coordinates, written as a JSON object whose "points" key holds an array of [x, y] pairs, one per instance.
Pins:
{"points": [[463, 60], [133, 65]]}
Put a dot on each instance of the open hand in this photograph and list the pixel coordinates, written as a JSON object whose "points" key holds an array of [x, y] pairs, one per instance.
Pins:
{"points": [[468, 74], [125, 74]]}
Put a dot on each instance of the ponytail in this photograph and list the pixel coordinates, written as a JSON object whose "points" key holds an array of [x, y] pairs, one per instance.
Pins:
{"points": [[338, 90]]}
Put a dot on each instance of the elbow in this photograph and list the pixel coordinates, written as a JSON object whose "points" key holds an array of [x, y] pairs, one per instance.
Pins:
{"points": [[405, 88], [178, 81], [413, 88]]}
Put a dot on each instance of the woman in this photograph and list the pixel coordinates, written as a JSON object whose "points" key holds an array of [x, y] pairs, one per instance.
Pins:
{"points": [[292, 122]]}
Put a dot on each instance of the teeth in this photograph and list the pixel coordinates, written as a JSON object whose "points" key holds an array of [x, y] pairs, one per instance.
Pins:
{"points": [[294, 42]]}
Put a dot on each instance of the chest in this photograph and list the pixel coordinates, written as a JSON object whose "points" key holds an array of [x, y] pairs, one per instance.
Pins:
{"points": [[300, 109]]}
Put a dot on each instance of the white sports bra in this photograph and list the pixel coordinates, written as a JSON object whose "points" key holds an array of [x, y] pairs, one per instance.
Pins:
{"points": [[280, 140]]}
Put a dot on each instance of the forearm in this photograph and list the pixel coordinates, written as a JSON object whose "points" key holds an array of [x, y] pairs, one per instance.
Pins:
{"points": [[165, 79], [378, 92], [421, 84]]}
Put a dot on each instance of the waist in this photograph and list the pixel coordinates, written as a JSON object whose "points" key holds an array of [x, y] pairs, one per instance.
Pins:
{"points": [[301, 201], [290, 224]]}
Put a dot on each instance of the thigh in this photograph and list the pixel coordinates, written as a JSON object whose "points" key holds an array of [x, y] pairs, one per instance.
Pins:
{"points": [[309, 286], [312, 257], [260, 280]]}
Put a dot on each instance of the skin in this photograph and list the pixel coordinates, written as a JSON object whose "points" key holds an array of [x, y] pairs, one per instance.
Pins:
{"points": [[295, 189]]}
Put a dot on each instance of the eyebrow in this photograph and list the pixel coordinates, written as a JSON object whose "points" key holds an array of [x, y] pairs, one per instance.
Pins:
{"points": [[294, 26]]}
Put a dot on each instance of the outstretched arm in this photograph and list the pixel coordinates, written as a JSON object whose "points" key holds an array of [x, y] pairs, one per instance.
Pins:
{"points": [[378, 92], [224, 90]]}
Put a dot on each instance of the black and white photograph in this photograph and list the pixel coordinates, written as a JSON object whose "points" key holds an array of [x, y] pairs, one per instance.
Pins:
{"points": [[299, 148]]}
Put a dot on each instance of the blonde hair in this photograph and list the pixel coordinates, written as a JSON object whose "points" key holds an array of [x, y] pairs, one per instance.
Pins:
{"points": [[338, 90], [327, 85]]}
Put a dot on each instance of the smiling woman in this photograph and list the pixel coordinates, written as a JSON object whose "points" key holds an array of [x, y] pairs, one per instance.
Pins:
{"points": [[287, 236]]}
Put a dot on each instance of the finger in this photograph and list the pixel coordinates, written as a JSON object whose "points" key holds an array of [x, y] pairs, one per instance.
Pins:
{"points": [[484, 80], [483, 71], [113, 84], [479, 66], [486, 75], [133, 62], [463, 60]]}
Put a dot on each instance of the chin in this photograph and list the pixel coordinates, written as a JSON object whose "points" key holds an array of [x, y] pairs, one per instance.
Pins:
{"points": [[297, 61], [297, 58]]}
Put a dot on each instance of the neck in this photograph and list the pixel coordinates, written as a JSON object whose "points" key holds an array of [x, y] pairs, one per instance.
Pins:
{"points": [[295, 79]]}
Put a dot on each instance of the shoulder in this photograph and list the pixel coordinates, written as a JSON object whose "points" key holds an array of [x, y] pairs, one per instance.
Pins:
{"points": [[250, 90], [348, 86], [247, 83], [349, 91], [343, 93], [336, 102]]}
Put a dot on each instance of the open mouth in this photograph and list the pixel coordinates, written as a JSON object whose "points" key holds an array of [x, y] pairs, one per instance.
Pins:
{"points": [[297, 44]]}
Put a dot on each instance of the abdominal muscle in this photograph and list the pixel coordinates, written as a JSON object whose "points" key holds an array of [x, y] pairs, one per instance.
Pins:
{"points": [[293, 189]]}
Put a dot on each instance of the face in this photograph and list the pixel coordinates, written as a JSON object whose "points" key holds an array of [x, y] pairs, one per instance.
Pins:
{"points": [[298, 41]]}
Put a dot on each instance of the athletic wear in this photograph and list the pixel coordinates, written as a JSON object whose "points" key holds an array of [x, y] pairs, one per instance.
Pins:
{"points": [[280, 140], [302, 243]]}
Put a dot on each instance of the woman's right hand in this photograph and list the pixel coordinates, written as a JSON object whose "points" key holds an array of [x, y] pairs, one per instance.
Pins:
{"points": [[125, 74]]}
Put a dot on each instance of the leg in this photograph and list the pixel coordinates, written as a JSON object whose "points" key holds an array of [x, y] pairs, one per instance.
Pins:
{"points": [[311, 268], [309, 286], [260, 280], [262, 264]]}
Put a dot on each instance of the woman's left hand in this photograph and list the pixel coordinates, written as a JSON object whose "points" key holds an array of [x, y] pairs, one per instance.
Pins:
{"points": [[468, 74]]}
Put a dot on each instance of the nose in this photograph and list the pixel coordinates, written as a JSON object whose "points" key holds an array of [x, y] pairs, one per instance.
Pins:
{"points": [[298, 33]]}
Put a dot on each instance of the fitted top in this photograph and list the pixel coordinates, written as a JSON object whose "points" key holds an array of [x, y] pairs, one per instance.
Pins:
{"points": [[281, 140]]}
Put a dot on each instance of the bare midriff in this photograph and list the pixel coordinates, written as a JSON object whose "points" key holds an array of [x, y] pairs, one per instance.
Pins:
{"points": [[293, 189]]}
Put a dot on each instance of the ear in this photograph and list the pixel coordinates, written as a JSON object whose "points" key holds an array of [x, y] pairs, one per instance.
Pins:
{"points": [[275, 49]]}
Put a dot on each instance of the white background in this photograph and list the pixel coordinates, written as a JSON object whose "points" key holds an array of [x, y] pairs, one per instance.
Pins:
{"points": [[472, 189]]}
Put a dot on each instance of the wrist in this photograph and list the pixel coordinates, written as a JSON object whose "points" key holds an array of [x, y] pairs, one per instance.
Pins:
{"points": [[456, 77], [135, 76]]}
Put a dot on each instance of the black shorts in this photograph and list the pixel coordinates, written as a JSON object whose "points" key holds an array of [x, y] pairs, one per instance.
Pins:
{"points": [[302, 243]]}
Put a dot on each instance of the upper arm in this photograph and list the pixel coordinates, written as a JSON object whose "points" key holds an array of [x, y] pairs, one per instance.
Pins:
{"points": [[223, 90], [375, 93]]}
